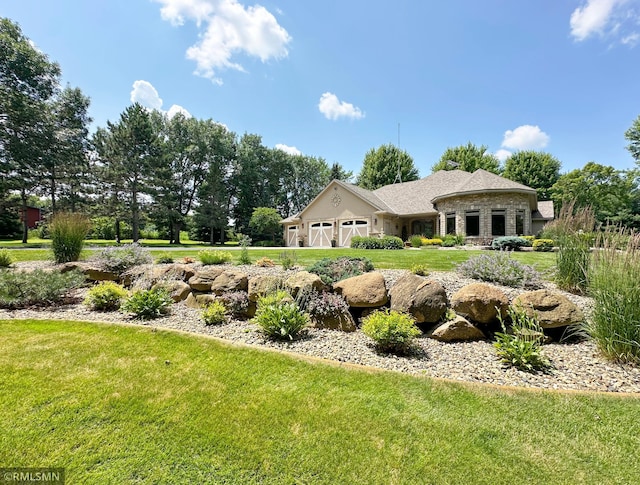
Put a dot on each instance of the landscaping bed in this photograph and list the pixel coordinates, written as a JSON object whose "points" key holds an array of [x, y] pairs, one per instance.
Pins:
{"points": [[576, 365]]}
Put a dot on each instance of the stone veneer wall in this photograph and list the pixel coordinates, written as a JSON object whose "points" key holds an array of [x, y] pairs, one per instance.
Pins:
{"points": [[485, 203]]}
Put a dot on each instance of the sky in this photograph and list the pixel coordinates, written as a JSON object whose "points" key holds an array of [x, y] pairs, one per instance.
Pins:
{"points": [[336, 78]]}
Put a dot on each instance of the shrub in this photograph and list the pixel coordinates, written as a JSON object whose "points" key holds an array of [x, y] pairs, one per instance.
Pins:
{"points": [[214, 313], [416, 241], [322, 304], [613, 284], [521, 347], [371, 242], [390, 330], [333, 270], [211, 256], [265, 262], [148, 304], [68, 232], [449, 241], [282, 321], [121, 258], [511, 243], [275, 297], [236, 302], [432, 242], [288, 259], [164, 258], [245, 242], [26, 288], [420, 269], [500, 268], [5, 258], [529, 240], [545, 245], [106, 295]]}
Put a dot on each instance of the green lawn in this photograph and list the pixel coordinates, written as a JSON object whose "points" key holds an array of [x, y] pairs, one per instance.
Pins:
{"points": [[435, 260], [115, 404]]}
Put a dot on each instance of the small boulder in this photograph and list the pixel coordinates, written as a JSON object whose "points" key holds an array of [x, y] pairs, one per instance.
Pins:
{"points": [[260, 285], [302, 280], [178, 290], [364, 291], [552, 309], [199, 300], [426, 300], [342, 321], [480, 302], [458, 329]]}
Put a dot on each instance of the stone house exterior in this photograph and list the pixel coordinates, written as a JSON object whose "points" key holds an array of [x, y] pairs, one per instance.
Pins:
{"points": [[480, 205]]}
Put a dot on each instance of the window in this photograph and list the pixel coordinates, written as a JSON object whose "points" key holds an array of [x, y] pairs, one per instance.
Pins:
{"points": [[451, 223], [472, 223], [498, 226], [520, 222]]}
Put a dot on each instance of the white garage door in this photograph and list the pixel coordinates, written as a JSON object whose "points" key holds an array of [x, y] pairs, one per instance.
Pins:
{"points": [[292, 236], [320, 233], [355, 227]]}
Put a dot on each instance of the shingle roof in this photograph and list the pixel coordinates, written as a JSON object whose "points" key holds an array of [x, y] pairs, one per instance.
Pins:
{"points": [[545, 210], [367, 195]]}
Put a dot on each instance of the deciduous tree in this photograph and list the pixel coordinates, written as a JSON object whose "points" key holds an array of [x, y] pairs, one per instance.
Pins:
{"points": [[538, 170], [469, 158], [382, 166]]}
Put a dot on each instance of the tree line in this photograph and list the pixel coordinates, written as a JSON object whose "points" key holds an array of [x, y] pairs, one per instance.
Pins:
{"points": [[147, 166]]}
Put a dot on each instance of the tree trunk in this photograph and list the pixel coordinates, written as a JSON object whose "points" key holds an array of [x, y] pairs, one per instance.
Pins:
{"points": [[175, 229], [118, 231], [25, 223], [211, 235], [135, 216]]}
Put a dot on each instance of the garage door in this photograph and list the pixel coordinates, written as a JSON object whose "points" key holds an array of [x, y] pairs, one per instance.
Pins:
{"points": [[355, 227], [320, 234], [292, 236]]}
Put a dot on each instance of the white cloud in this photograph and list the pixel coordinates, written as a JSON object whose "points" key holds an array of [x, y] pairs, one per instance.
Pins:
{"points": [[230, 29], [288, 149], [332, 108], [145, 94], [503, 154], [525, 137], [605, 18]]}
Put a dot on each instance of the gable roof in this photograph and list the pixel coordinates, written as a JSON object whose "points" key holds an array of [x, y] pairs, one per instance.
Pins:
{"points": [[545, 210]]}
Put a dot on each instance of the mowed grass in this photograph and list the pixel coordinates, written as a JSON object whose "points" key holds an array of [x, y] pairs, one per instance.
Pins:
{"points": [[116, 404], [434, 259]]}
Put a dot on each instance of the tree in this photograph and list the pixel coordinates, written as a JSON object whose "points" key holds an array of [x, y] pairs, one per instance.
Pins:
{"points": [[469, 158], [265, 221], [339, 173], [633, 136], [380, 167], [307, 177], [28, 80], [612, 193], [127, 151], [538, 170]]}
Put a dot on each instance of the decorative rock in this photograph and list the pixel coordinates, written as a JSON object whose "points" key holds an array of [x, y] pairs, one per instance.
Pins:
{"points": [[173, 271], [203, 279], [302, 280], [552, 309], [178, 290], [344, 321], [363, 291], [229, 280], [478, 302], [95, 274], [426, 300], [260, 285], [198, 300], [458, 329]]}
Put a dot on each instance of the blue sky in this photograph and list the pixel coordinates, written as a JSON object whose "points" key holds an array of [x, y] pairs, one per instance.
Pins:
{"points": [[335, 78]]}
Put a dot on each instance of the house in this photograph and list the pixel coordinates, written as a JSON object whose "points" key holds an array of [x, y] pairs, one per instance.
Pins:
{"points": [[480, 205]]}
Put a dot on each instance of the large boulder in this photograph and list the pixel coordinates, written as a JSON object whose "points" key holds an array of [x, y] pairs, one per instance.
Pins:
{"points": [[480, 302], [204, 278], [457, 330], [552, 309], [426, 300], [260, 285], [303, 280], [365, 291], [229, 280], [91, 271]]}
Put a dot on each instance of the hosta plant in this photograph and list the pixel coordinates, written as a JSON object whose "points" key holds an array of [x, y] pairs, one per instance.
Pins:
{"points": [[148, 304], [521, 345]]}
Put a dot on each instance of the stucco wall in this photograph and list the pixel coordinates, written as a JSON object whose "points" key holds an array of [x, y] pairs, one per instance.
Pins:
{"points": [[509, 202]]}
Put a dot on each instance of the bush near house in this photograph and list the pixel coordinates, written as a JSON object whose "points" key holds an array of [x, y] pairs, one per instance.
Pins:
{"points": [[511, 243], [543, 245], [372, 242]]}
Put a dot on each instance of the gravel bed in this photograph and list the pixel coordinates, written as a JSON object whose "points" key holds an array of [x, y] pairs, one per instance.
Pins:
{"points": [[576, 366]]}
